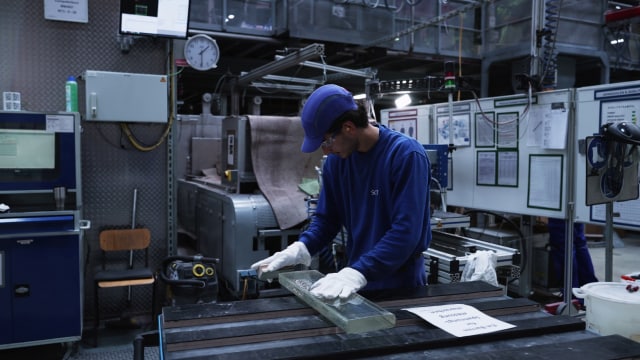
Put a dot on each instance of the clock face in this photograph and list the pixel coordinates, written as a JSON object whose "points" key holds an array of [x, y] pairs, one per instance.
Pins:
{"points": [[201, 52]]}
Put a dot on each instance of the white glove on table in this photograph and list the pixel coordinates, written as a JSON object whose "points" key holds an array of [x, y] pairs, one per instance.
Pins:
{"points": [[342, 285], [294, 254]]}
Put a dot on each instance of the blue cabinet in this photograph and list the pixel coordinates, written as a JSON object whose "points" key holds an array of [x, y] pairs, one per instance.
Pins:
{"points": [[41, 280]]}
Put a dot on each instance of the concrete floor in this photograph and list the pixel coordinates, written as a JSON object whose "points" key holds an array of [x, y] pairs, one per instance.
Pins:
{"points": [[625, 258]]}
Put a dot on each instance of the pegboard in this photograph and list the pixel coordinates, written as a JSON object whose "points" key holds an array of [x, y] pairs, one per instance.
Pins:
{"points": [[37, 57]]}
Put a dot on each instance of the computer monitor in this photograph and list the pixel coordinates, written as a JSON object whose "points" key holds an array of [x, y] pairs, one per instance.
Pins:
{"points": [[27, 149], [162, 18], [38, 151]]}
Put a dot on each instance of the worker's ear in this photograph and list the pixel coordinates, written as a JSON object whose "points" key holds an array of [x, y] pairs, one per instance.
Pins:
{"points": [[348, 127]]}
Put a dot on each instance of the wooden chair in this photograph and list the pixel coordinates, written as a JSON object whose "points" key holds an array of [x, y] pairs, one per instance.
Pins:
{"points": [[126, 275]]}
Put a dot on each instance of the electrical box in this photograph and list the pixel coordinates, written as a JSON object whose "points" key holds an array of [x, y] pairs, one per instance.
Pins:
{"points": [[438, 155], [125, 97]]}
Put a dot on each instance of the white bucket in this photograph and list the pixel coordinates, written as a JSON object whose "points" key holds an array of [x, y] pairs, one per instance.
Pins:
{"points": [[611, 309]]}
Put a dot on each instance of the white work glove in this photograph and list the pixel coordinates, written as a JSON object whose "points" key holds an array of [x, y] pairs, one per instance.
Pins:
{"points": [[294, 254], [338, 286]]}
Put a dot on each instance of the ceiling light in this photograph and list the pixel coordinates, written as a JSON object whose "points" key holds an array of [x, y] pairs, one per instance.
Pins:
{"points": [[403, 101], [359, 96]]}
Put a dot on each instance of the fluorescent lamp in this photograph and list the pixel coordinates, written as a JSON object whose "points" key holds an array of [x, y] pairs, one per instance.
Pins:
{"points": [[359, 96], [403, 101]]}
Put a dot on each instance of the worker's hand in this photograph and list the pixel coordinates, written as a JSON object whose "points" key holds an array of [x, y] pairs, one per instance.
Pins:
{"points": [[338, 286], [294, 254]]}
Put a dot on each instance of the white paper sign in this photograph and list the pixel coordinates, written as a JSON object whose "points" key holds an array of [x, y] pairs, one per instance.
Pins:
{"points": [[67, 10], [60, 123], [460, 320]]}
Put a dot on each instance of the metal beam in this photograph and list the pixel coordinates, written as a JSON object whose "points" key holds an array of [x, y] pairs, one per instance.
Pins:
{"points": [[367, 73], [290, 79], [290, 87], [285, 62]]}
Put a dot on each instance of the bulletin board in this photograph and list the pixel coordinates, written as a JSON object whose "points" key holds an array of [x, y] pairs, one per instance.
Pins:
{"points": [[511, 152], [411, 120], [597, 105], [522, 155]]}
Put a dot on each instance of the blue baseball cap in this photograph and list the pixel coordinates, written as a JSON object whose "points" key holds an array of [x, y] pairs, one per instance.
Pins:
{"points": [[322, 108]]}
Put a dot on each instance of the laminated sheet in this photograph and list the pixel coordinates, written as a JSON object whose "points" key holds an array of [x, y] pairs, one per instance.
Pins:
{"points": [[279, 165]]}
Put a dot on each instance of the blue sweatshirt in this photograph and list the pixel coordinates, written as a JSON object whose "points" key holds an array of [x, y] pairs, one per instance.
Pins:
{"points": [[381, 197]]}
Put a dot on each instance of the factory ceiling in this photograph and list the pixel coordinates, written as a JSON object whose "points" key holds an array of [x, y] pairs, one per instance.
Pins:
{"points": [[240, 54]]}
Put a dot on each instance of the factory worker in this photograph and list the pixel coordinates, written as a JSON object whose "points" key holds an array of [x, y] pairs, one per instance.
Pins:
{"points": [[375, 184], [583, 271]]}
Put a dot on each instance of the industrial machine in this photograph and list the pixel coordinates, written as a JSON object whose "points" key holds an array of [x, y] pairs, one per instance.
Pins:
{"points": [[448, 255], [40, 229], [238, 229], [232, 219]]}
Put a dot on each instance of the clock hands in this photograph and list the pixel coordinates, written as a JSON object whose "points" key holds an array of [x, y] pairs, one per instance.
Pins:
{"points": [[202, 55]]}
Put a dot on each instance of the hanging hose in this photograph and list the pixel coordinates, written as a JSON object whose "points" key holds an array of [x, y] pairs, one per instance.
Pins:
{"points": [[549, 57]]}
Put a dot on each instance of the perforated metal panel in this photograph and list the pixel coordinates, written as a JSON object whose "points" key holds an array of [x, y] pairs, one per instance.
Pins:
{"points": [[37, 57]]}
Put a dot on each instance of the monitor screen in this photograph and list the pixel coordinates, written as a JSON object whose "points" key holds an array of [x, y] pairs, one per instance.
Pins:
{"points": [[38, 151], [27, 149], [163, 18]]}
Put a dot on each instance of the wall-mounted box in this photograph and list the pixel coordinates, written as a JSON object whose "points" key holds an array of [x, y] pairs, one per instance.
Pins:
{"points": [[125, 97]]}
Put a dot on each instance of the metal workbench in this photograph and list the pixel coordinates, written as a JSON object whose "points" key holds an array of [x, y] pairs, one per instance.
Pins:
{"points": [[286, 328]]}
